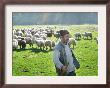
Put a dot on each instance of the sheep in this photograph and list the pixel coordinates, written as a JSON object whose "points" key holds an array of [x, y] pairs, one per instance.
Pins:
{"points": [[28, 31], [22, 43], [48, 43], [49, 34], [72, 42], [14, 32], [15, 44], [77, 36], [29, 41], [23, 31], [53, 43], [15, 37], [33, 31], [29, 35], [19, 33], [57, 34], [43, 36], [40, 43], [36, 35], [45, 32], [86, 35], [96, 39], [89, 34], [19, 37]]}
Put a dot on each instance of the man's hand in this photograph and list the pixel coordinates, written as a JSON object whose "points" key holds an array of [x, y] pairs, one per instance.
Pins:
{"points": [[64, 69]]}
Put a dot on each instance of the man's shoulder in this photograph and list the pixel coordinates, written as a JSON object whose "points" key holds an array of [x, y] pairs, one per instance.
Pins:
{"points": [[58, 46]]}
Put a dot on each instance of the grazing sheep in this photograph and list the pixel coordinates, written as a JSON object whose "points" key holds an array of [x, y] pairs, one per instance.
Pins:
{"points": [[14, 32], [15, 44], [96, 39], [36, 35], [33, 32], [23, 31], [53, 43], [57, 34], [43, 37], [86, 35], [44, 32], [48, 43], [29, 41], [19, 37], [77, 36], [19, 33], [40, 43], [49, 34], [29, 35], [15, 37], [22, 43], [72, 42]]}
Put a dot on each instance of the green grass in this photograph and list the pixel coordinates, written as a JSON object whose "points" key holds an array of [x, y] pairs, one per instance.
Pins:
{"points": [[36, 62], [33, 62]]}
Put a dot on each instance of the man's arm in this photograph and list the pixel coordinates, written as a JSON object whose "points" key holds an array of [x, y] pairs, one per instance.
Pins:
{"points": [[56, 56]]}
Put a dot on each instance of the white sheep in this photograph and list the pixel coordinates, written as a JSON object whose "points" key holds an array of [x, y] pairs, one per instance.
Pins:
{"points": [[72, 42], [57, 34], [29, 41], [14, 32], [36, 35], [77, 36], [15, 44], [29, 35], [43, 36], [15, 37], [19, 33], [19, 37], [86, 35], [48, 43], [40, 43]]}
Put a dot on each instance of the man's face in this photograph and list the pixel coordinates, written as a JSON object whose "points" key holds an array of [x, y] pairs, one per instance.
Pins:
{"points": [[65, 38]]}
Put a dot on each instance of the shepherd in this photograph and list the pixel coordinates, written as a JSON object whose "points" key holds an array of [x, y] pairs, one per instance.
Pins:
{"points": [[63, 57]]}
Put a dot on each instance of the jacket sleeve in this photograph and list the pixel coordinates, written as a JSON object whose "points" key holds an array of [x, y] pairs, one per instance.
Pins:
{"points": [[75, 61], [56, 56]]}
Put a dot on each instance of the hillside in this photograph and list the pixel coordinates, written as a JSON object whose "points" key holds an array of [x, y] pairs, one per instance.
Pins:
{"points": [[54, 18]]}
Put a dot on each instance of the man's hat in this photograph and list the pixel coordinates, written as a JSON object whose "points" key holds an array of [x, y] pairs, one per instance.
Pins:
{"points": [[63, 32]]}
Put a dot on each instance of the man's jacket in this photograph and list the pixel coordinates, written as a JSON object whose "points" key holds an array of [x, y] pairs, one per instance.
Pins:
{"points": [[61, 48]]}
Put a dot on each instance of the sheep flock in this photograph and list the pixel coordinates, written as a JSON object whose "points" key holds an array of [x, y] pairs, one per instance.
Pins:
{"points": [[42, 37]]}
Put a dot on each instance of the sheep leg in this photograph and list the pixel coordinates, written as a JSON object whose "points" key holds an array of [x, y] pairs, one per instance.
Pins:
{"points": [[20, 46], [50, 47], [30, 44], [43, 47], [46, 47], [91, 37], [23, 46], [40, 48]]}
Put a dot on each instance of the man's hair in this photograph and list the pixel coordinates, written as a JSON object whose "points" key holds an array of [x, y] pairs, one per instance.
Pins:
{"points": [[63, 32]]}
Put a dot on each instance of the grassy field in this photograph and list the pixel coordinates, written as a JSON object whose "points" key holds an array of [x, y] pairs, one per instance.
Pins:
{"points": [[36, 62]]}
